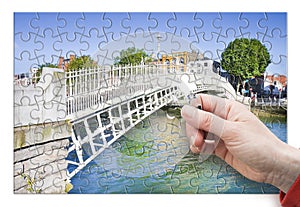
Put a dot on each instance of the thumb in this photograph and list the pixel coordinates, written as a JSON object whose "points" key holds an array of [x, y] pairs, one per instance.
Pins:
{"points": [[203, 120]]}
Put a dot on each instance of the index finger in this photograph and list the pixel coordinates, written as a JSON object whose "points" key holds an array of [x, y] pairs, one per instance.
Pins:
{"points": [[213, 104]]}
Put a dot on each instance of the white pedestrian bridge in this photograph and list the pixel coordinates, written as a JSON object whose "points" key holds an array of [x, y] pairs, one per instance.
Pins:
{"points": [[104, 103]]}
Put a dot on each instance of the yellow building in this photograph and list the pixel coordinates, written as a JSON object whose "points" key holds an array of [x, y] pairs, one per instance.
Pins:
{"points": [[179, 60]]}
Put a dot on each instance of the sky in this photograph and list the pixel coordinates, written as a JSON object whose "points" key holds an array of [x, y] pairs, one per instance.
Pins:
{"points": [[41, 38]]}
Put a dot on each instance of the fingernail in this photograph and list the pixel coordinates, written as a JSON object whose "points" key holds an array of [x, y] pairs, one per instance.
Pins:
{"points": [[188, 111]]}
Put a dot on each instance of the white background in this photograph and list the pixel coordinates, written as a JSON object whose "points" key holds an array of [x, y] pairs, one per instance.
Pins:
{"points": [[7, 9]]}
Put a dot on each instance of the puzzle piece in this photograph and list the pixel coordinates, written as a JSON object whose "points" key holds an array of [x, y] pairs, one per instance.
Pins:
{"points": [[210, 53], [177, 23], [43, 21], [224, 22], [134, 19], [118, 129], [66, 47], [275, 33], [115, 30], [254, 22], [48, 39], [30, 46]]}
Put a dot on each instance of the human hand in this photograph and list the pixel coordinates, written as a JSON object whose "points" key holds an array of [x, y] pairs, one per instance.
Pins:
{"points": [[246, 143]]}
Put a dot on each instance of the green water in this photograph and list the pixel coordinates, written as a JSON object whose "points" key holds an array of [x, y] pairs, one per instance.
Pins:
{"points": [[154, 157]]}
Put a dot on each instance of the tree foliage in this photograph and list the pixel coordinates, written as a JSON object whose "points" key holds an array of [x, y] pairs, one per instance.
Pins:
{"points": [[245, 58], [84, 61], [132, 55], [49, 65]]}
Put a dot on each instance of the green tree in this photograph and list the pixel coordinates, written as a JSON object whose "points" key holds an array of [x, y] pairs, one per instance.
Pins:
{"points": [[132, 56], [84, 61], [245, 58]]}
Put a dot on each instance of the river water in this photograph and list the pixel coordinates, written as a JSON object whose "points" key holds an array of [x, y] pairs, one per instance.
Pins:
{"points": [[154, 157]]}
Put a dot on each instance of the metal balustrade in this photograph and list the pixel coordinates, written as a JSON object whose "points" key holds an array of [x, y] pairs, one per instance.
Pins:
{"points": [[93, 87], [104, 103]]}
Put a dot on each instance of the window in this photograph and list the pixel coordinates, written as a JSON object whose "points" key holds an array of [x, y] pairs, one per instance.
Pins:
{"points": [[173, 61], [182, 60]]}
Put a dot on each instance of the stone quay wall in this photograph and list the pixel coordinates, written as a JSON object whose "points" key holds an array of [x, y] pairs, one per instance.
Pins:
{"points": [[40, 153]]}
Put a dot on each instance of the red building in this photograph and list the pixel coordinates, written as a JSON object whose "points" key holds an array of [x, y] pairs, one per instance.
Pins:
{"points": [[276, 79]]}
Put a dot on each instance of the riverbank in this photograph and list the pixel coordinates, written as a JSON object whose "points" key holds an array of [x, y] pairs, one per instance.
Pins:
{"points": [[40, 153], [270, 114]]}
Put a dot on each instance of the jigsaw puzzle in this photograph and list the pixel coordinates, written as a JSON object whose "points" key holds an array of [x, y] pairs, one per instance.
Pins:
{"points": [[97, 98]]}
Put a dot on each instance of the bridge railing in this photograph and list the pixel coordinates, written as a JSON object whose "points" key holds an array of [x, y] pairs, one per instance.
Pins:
{"points": [[90, 87]]}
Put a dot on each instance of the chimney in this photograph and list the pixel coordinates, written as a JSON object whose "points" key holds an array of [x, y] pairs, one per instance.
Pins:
{"points": [[60, 62]]}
